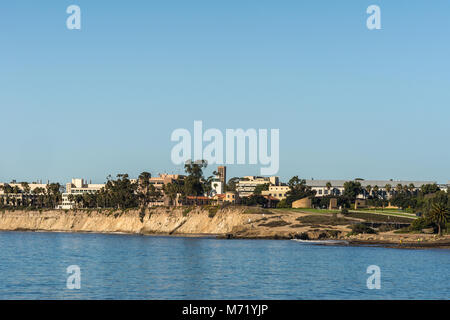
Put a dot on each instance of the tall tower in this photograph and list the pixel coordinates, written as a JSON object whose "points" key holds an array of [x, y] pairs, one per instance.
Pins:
{"points": [[223, 174]]}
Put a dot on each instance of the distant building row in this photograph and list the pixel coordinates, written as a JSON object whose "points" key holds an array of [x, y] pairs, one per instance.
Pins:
{"points": [[17, 193]]}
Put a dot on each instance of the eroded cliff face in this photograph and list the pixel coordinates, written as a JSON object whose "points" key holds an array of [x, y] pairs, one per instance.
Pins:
{"points": [[153, 221], [230, 222]]}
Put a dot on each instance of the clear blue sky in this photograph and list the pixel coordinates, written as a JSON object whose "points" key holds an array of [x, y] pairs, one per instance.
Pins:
{"points": [[349, 102]]}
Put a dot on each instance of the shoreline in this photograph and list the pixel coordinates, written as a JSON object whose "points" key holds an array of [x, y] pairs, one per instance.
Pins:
{"points": [[221, 223], [332, 242]]}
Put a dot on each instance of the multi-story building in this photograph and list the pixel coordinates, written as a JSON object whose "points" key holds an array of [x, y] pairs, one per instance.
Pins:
{"points": [[278, 192], [18, 194], [336, 187], [246, 185], [231, 197], [77, 187], [22, 185], [159, 182], [163, 179], [444, 187]]}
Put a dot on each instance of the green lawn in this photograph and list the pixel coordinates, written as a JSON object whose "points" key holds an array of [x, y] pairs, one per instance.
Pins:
{"points": [[308, 210], [377, 217], [389, 213]]}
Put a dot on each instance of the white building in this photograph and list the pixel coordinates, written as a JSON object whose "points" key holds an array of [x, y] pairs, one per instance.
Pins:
{"points": [[217, 187], [77, 187], [32, 186], [337, 186], [22, 193], [444, 187]]}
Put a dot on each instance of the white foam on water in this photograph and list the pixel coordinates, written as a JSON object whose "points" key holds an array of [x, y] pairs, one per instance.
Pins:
{"points": [[321, 241]]}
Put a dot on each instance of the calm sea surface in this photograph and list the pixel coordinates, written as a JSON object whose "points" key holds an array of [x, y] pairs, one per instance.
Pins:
{"points": [[34, 266]]}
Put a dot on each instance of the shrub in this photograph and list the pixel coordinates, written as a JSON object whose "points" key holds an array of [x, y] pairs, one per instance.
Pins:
{"points": [[212, 211], [344, 211], [419, 224], [283, 204], [272, 224], [142, 215], [361, 228], [409, 210], [186, 211]]}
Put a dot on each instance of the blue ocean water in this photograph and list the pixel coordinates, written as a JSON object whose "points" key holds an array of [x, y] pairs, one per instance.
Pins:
{"points": [[34, 266]]}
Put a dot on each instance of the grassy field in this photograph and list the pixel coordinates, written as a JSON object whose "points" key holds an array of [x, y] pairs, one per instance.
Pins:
{"points": [[375, 217], [390, 215], [384, 209], [308, 210], [369, 217], [323, 220], [390, 212]]}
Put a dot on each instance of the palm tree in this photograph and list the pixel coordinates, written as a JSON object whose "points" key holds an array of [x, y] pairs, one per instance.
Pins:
{"points": [[328, 185], [53, 194], [411, 188], [172, 189], [78, 200], [26, 190], [405, 188], [375, 190], [207, 185], [388, 188], [38, 194], [368, 189], [16, 190], [3, 199], [440, 215], [399, 188], [7, 189], [25, 187], [144, 188]]}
